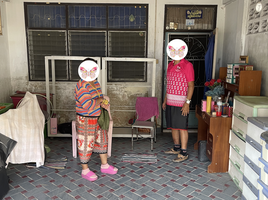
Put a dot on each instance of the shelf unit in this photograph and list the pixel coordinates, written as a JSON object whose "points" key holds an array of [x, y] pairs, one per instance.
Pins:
{"points": [[249, 84]]}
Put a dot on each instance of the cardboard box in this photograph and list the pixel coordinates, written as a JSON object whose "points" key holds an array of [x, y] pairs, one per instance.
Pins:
{"points": [[245, 67]]}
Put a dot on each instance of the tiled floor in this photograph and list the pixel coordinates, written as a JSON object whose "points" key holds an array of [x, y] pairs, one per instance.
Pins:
{"points": [[163, 180]]}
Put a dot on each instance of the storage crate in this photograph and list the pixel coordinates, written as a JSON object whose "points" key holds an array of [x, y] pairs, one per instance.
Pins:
{"points": [[263, 190], [264, 170], [264, 153], [236, 175], [251, 172], [249, 191], [16, 98], [250, 106], [239, 126], [5, 107], [256, 126], [253, 150], [237, 142], [236, 158]]}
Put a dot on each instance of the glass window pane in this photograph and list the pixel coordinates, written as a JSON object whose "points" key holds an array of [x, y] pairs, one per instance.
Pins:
{"points": [[87, 43], [87, 16], [126, 71], [46, 43], [127, 17], [46, 16], [90, 44], [127, 44]]}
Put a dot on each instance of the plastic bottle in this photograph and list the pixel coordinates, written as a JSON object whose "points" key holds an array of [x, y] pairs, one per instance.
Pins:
{"points": [[219, 104], [230, 101]]}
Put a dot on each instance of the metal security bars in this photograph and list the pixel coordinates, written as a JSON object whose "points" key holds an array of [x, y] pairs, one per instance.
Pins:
{"points": [[86, 30]]}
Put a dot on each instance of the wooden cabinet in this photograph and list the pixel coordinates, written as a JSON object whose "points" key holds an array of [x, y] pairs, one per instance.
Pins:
{"points": [[249, 84], [215, 130]]}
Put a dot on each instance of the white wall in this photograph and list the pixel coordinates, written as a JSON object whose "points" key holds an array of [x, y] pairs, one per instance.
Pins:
{"points": [[237, 42], [257, 51], [233, 32], [5, 78]]}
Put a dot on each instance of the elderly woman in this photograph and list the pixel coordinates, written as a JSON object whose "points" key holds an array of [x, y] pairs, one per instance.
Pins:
{"points": [[91, 138]]}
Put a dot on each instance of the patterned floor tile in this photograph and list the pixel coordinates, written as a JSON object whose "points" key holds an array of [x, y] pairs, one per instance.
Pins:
{"points": [[161, 180]]}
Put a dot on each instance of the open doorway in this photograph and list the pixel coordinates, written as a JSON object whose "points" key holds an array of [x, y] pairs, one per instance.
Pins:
{"points": [[196, 35]]}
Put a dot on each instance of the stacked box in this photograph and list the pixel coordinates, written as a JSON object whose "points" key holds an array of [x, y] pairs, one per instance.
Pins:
{"points": [[233, 72], [245, 67]]}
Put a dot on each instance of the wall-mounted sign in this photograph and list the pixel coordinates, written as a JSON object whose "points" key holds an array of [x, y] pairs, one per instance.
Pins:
{"points": [[189, 22], [194, 14]]}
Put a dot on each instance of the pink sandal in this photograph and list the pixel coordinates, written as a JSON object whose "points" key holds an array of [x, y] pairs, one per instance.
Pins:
{"points": [[109, 170], [88, 175]]}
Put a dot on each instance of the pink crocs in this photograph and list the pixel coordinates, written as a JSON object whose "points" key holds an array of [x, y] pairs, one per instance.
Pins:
{"points": [[109, 170], [88, 175]]}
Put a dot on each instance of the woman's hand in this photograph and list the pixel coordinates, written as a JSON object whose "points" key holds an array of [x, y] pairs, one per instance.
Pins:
{"points": [[99, 101], [105, 106], [185, 109], [164, 105]]}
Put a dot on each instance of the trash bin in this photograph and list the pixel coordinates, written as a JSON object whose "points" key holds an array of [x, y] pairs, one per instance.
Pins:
{"points": [[202, 147]]}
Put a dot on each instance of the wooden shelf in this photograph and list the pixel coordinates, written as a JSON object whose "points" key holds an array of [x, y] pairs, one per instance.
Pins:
{"points": [[215, 130], [249, 84]]}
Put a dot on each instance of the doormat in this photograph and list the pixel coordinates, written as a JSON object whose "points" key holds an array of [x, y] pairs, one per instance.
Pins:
{"points": [[139, 158], [51, 163], [56, 165]]}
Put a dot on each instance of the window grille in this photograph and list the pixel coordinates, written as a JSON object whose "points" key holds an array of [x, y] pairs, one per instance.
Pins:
{"points": [[46, 43], [86, 30], [91, 44], [127, 44]]}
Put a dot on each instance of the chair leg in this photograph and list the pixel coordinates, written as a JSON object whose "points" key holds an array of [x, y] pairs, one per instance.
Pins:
{"points": [[155, 135], [74, 138], [132, 140], [152, 144]]}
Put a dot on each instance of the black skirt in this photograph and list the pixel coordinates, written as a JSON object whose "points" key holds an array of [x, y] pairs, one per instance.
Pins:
{"points": [[175, 119]]}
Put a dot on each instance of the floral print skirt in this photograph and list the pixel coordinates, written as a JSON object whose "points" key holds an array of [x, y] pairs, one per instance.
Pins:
{"points": [[91, 138]]}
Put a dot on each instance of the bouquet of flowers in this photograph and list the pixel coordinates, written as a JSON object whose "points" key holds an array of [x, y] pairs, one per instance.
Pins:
{"points": [[215, 88]]}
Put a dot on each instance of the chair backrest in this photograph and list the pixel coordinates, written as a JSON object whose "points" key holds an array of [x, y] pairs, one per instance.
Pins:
{"points": [[146, 108]]}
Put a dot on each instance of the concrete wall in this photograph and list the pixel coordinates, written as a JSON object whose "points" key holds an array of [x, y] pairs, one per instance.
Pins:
{"points": [[233, 38], [123, 95], [238, 42], [256, 46], [5, 77]]}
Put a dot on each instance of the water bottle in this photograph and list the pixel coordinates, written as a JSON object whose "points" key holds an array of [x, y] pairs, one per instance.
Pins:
{"points": [[219, 104], [230, 101]]}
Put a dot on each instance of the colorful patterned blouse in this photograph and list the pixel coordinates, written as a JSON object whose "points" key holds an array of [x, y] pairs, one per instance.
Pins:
{"points": [[178, 77], [85, 97]]}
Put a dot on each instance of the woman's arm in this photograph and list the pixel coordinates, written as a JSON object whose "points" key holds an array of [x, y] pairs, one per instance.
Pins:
{"points": [[186, 107]]}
